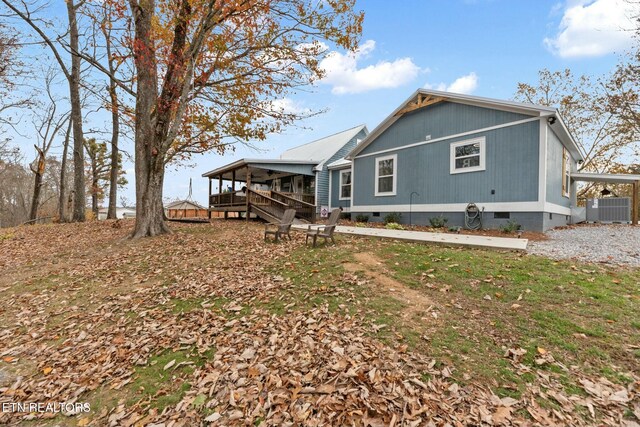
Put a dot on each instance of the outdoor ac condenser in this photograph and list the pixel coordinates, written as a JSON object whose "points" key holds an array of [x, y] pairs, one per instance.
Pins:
{"points": [[611, 209]]}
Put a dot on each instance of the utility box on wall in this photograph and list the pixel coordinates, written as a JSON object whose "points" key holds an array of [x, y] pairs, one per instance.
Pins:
{"points": [[611, 209]]}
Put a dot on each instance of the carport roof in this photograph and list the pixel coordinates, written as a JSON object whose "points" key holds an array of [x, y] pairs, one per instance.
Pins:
{"points": [[605, 177]]}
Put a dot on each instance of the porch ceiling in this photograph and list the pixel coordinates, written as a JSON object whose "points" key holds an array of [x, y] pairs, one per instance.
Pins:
{"points": [[261, 170], [609, 178]]}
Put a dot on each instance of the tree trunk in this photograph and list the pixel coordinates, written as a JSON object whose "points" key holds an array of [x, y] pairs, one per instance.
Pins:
{"points": [[149, 210], [115, 131], [94, 196], [63, 175], [149, 158], [39, 173], [115, 164], [35, 200], [76, 117]]}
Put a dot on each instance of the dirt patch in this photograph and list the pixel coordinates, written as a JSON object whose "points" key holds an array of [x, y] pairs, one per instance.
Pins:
{"points": [[417, 304]]}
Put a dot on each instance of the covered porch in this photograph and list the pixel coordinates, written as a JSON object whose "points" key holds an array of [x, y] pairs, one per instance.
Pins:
{"points": [[630, 179], [263, 187]]}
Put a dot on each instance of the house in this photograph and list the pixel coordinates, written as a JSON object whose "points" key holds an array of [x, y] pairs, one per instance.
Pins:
{"points": [[298, 178], [437, 152], [185, 209], [121, 213]]}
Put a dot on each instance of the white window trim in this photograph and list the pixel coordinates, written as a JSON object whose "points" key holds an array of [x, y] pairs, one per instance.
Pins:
{"points": [[566, 173], [452, 154], [341, 185], [395, 175]]}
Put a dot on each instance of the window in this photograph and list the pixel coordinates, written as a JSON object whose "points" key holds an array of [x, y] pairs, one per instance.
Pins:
{"points": [[345, 185], [501, 215], [566, 173], [467, 156], [386, 171]]}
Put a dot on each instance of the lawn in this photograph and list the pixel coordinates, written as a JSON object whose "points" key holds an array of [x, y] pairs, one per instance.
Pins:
{"points": [[213, 325]]}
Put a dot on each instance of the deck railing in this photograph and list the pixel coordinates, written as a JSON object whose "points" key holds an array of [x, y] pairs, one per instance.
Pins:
{"points": [[270, 201], [304, 210], [227, 199], [307, 198], [266, 203]]}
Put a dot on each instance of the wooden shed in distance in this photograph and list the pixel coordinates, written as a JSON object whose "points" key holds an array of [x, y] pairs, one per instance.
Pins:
{"points": [[185, 209]]}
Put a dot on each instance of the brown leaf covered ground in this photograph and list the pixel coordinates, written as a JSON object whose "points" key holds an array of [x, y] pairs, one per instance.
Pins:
{"points": [[212, 326]]}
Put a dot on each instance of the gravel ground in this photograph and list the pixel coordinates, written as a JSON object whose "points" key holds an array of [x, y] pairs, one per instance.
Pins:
{"points": [[612, 244]]}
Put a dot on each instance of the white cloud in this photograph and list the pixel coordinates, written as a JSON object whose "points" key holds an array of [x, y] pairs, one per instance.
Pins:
{"points": [[465, 84], [593, 28], [286, 106], [343, 73]]}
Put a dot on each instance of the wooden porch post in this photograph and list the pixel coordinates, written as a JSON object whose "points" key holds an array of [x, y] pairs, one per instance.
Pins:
{"points": [[634, 203], [233, 186], [209, 201], [247, 192], [220, 184]]}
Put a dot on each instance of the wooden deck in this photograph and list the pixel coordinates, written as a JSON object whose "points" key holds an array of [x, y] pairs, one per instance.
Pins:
{"points": [[268, 204]]}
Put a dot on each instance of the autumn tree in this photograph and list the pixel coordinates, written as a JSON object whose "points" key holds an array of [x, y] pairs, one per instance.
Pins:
{"points": [[112, 35], [10, 70], [70, 40], [208, 72], [580, 102], [622, 93], [48, 128], [99, 170]]}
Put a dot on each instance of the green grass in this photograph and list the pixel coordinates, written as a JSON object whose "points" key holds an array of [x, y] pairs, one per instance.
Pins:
{"points": [[582, 314], [186, 305], [165, 387]]}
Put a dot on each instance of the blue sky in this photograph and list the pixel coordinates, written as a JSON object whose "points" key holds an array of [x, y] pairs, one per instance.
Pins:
{"points": [[479, 47]]}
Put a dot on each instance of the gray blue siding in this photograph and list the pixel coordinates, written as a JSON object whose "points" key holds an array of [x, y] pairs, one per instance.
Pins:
{"points": [[439, 120], [554, 171], [511, 170], [335, 189], [323, 176]]}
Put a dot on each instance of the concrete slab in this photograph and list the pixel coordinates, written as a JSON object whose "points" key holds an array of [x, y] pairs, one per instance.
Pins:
{"points": [[428, 237]]}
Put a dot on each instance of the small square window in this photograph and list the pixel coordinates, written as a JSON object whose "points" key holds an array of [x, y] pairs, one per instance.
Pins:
{"points": [[468, 156]]}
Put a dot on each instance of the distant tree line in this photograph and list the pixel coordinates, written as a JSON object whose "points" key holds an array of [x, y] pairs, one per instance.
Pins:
{"points": [[601, 112]]}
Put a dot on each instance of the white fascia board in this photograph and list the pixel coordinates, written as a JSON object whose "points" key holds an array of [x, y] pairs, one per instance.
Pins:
{"points": [[445, 138]]}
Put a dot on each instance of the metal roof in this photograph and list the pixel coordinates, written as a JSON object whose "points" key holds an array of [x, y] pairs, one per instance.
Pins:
{"points": [[244, 162], [338, 164], [520, 107], [322, 149], [313, 153]]}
